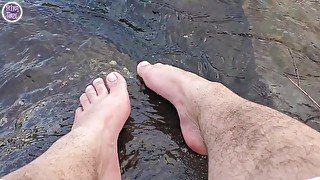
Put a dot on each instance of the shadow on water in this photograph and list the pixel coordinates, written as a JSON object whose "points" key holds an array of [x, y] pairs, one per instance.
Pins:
{"points": [[48, 58]]}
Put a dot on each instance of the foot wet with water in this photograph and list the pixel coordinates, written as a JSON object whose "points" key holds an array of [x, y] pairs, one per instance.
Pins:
{"points": [[59, 47]]}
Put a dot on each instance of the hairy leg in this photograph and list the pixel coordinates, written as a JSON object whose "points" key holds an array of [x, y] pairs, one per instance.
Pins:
{"points": [[89, 151], [243, 140]]}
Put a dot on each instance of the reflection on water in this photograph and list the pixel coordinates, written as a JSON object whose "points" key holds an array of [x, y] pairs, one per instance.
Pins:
{"points": [[59, 47]]}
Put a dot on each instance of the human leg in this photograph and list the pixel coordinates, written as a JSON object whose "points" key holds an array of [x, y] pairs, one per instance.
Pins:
{"points": [[242, 139]]}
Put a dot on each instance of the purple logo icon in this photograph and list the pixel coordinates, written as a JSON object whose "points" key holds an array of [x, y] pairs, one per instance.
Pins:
{"points": [[12, 12]]}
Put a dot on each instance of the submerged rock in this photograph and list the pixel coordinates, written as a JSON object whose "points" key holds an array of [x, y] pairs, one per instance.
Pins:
{"points": [[48, 58], [286, 40]]}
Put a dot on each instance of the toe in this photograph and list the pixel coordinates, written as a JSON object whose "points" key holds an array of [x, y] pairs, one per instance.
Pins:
{"points": [[91, 93], [77, 117], [143, 67], [100, 86], [78, 113], [117, 84], [84, 101], [119, 98], [160, 78]]}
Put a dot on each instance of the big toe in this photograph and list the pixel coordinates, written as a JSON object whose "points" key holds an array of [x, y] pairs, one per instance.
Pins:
{"points": [[118, 91], [117, 84], [163, 79]]}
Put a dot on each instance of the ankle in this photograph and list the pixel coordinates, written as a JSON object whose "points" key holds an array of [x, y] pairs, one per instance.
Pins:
{"points": [[215, 111]]}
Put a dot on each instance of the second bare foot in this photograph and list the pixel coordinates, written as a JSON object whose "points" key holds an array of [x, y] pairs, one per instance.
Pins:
{"points": [[188, 93], [103, 114]]}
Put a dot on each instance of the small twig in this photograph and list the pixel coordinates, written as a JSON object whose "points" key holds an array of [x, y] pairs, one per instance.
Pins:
{"points": [[296, 71], [305, 93]]}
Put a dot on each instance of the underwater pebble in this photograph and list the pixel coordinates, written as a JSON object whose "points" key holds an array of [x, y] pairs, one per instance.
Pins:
{"points": [[3, 121], [184, 150], [113, 63], [125, 70], [21, 103]]}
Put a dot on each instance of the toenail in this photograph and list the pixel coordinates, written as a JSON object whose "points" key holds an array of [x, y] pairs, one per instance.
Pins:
{"points": [[98, 80], [143, 63], [89, 88], [83, 95], [112, 77]]}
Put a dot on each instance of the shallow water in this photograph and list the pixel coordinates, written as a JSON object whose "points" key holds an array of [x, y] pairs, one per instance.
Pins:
{"points": [[59, 47]]}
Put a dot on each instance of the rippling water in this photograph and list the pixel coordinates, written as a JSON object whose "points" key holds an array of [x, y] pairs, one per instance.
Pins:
{"points": [[59, 47]]}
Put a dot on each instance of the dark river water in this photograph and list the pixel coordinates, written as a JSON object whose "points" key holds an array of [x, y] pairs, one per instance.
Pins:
{"points": [[60, 46]]}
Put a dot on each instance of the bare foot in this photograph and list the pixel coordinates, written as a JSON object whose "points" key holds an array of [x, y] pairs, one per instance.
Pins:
{"points": [[188, 93], [89, 151], [105, 113]]}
